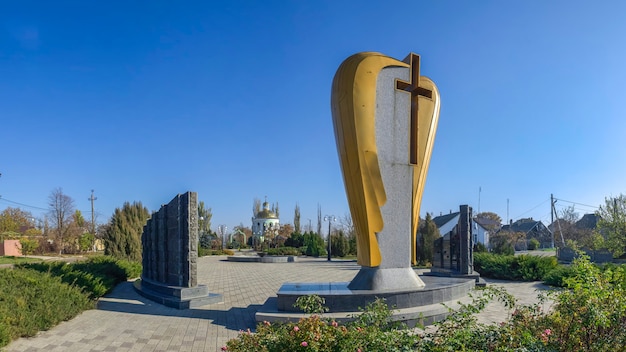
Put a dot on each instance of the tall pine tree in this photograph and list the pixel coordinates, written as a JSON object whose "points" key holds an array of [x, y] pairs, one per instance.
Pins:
{"points": [[123, 236], [296, 219], [426, 241]]}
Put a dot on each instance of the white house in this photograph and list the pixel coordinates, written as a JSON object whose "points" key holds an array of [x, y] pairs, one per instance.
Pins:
{"points": [[447, 223]]}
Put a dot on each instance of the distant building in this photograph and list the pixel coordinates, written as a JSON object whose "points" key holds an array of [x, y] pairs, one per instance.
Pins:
{"points": [[564, 230], [481, 230], [531, 229], [480, 233], [588, 222]]}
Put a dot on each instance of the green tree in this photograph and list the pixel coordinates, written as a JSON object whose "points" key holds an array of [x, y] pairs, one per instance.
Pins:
{"points": [[503, 242], [85, 242], [74, 232], [123, 236], [204, 218], [612, 224], [28, 246], [14, 219], [296, 219], [426, 241], [339, 245], [296, 240], [314, 244], [492, 228]]}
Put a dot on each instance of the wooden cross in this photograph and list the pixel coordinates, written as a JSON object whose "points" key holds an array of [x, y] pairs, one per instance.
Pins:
{"points": [[416, 91]]}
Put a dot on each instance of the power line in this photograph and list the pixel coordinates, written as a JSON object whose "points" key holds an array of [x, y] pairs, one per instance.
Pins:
{"points": [[22, 204], [581, 204], [535, 207]]}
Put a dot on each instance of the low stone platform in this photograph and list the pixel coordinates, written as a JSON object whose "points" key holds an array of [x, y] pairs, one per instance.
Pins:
{"points": [[454, 274], [422, 306], [264, 259], [176, 297]]}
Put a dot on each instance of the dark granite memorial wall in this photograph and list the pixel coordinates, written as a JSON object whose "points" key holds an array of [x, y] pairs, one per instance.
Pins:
{"points": [[170, 241]]}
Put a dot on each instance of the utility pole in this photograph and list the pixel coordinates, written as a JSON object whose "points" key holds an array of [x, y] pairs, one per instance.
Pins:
{"points": [[553, 214], [551, 208], [552, 201], [93, 217]]}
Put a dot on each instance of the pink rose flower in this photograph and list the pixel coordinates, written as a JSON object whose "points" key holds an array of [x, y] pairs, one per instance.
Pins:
{"points": [[304, 344], [296, 328]]}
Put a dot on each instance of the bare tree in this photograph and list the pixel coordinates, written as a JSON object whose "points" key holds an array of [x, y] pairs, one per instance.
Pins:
{"points": [[346, 224], [570, 215], [204, 218], [61, 211], [256, 206]]}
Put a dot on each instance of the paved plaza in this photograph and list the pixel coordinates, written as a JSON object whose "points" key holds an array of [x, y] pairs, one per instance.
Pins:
{"points": [[125, 321]]}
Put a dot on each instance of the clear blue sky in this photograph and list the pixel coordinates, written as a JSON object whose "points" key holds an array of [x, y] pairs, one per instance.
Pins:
{"points": [[141, 100]]}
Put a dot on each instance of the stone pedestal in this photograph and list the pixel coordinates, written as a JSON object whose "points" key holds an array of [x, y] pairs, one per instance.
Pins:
{"points": [[176, 296], [417, 306]]}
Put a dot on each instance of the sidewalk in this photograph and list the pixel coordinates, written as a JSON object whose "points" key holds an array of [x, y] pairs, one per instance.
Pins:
{"points": [[125, 321]]}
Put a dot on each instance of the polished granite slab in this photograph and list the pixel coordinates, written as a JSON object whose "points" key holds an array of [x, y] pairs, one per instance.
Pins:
{"points": [[339, 298]]}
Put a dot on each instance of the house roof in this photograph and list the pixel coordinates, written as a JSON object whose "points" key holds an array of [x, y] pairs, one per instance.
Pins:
{"points": [[524, 225], [444, 219], [588, 221], [484, 222]]}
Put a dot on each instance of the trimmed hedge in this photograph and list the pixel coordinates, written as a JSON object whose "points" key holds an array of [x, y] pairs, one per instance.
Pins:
{"points": [[508, 267]]}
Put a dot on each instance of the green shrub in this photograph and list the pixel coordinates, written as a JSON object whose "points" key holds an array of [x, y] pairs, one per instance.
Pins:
{"points": [[28, 246], [283, 251], [508, 267], [5, 334], [95, 276], [558, 275], [31, 301], [587, 316], [533, 244], [203, 252], [373, 332], [494, 265], [480, 248]]}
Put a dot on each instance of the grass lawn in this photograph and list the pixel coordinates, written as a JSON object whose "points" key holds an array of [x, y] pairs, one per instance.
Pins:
{"points": [[17, 260]]}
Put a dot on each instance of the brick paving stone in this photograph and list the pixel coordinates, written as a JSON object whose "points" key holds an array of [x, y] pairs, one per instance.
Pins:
{"points": [[126, 321]]}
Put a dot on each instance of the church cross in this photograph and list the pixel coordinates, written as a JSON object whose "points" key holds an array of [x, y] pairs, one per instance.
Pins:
{"points": [[416, 91]]}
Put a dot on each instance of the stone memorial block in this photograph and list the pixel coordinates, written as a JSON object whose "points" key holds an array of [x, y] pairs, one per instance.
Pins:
{"points": [[170, 253]]}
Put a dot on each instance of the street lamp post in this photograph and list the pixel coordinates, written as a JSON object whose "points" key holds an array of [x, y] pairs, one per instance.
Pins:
{"points": [[329, 218]]}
